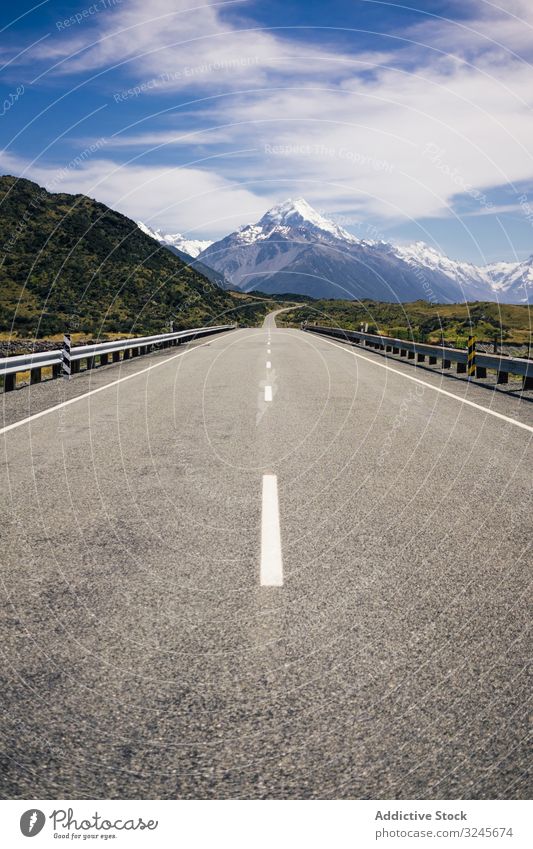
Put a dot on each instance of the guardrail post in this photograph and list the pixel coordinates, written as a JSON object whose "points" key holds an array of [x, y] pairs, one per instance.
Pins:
{"points": [[10, 382], [66, 362], [421, 358], [403, 352], [35, 375], [56, 370], [461, 368], [104, 359], [126, 354], [481, 371], [471, 367], [116, 356], [410, 355], [432, 360], [446, 363], [89, 363], [503, 377], [395, 350], [527, 382]]}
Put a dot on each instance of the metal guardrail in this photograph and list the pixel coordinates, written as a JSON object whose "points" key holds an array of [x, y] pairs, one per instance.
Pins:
{"points": [[502, 365], [34, 363]]}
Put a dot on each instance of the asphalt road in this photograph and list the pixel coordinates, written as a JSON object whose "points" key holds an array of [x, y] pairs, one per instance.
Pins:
{"points": [[145, 654]]}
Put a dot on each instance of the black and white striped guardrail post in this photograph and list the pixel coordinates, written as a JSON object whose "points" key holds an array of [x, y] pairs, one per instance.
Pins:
{"points": [[66, 362], [471, 366]]}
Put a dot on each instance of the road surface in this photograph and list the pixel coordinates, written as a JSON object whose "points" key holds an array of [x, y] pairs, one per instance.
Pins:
{"points": [[229, 579]]}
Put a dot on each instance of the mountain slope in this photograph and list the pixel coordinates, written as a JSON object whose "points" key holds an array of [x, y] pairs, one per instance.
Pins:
{"points": [[294, 248], [190, 259], [70, 262]]}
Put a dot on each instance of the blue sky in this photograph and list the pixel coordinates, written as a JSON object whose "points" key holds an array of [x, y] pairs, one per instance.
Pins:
{"points": [[403, 122]]}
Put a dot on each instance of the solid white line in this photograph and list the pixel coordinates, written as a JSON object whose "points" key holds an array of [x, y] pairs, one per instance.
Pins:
{"points": [[269, 364], [268, 393], [271, 560], [435, 388], [99, 389]]}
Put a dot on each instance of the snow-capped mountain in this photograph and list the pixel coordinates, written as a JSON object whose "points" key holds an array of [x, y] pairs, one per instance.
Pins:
{"points": [[293, 248], [517, 285], [191, 247], [187, 250]]}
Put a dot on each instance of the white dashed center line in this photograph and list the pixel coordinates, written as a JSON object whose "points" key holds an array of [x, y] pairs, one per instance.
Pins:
{"points": [[271, 560], [268, 393], [269, 364]]}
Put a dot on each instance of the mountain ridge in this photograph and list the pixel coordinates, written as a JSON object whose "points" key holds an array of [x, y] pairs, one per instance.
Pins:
{"points": [[294, 248], [69, 262], [191, 247]]}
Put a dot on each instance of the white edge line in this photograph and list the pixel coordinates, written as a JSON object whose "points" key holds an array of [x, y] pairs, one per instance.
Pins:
{"points": [[94, 391], [435, 388], [271, 560]]}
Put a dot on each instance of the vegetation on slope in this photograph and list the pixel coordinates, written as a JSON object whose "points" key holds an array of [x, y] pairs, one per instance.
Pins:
{"points": [[422, 321], [70, 263]]}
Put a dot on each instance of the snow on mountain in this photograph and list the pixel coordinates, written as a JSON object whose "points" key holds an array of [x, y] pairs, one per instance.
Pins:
{"points": [[517, 285], [293, 248], [298, 214], [511, 282], [192, 247]]}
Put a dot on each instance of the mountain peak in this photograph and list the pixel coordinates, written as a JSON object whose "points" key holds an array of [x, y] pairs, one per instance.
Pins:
{"points": [[291, 208], [296, 212]]}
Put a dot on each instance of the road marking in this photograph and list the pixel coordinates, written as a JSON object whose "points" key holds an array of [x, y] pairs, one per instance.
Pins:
{"points": [[99, 389], [435, 388], [271, 560], [269, 364], [268, 351], [268, 393]]}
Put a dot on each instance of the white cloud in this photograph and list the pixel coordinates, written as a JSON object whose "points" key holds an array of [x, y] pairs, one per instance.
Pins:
{"points": [[455, 85], [191, 43], [187, 200]]}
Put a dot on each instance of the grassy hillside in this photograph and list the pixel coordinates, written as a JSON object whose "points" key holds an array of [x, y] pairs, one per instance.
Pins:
{"points": [[68, 262], [422, 321]]}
